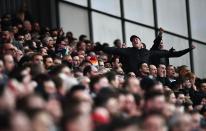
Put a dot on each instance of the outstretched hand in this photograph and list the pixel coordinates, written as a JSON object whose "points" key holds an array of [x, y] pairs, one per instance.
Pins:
{"points": [[161, 30], [193, 46], [172, 49]]}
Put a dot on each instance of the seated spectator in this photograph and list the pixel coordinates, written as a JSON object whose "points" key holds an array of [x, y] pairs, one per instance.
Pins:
{"points": [[153, 71]]}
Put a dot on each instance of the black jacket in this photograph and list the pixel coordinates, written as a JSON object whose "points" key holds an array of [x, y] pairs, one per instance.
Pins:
{"points": [[155, 60], [133, 57]]}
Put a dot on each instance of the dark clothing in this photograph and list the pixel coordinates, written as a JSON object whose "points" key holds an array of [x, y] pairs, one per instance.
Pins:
{"points": [[156, 60], [164, 80], [197, 96], [133, 57]]}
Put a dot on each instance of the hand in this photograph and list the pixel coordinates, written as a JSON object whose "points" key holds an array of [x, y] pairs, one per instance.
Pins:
{"points": [[193, 46], [124, 45], [172, 49], [161, 30]]}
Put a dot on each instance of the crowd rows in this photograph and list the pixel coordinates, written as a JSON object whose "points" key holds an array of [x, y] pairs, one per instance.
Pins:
{"points": [[52, 81]]}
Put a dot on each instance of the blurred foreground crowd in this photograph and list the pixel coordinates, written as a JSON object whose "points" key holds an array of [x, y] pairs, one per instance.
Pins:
{"points": [[52, 81]]}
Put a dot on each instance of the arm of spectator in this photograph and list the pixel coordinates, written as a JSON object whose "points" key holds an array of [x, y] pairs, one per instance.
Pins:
{"points": [[160, 53], [157, 40], [181, 52], [115, 51]]}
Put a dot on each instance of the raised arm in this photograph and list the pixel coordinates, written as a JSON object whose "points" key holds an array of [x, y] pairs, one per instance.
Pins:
{"points": [[157, 40]]}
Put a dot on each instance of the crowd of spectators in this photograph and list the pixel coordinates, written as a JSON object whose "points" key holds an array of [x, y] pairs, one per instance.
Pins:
{"points": [[52, 81]]}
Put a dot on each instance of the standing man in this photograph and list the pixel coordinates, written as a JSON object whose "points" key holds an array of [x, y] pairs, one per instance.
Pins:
{"points": [[159, 46], [136, 54]]}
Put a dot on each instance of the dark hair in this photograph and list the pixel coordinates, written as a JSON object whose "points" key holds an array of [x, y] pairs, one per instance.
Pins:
{"points": [[104, 95], [82, 37], [110, 76], [86, 70], [152, 94], [46, 57], [134, 36], [116, 42], [74, 89], [121, 122], [147, 83]]}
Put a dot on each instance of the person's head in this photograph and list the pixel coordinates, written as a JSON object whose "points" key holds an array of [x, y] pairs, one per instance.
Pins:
{"points": [[129, 105], [6, 36], [76, 61], [61, 43], [9, 63], [61, 69], [82, 37], [154, 101], [117, 43], [57, 60], [115, 62], [203, 85], [180, 97], [196, 119], [104, 57], [191, 77], [186, 83], [98, 82], [131, 74], [144, 69], [180, 122], [90, 71], [169, 110], [20, 122], [76, 121], [8, 48], [170, 96], [136, 41], [27, 25], [42, 121], [43, 51], [121, 123], [107, 98], [161, 70], [27, 36], [68, 58], [15, 29], [20, 37], [113, 79], [48, 62], [46, 85], [133, 85], [153, 70], [49, 42], [158, 86], [36, 26], [80, 93], [170, 71], [81, 46], [154, 122], [37, 58], [183, 70]]}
